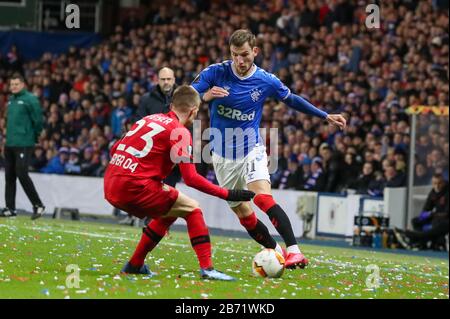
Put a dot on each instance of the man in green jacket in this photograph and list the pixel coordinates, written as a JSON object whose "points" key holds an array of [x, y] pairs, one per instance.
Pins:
{"points": [[23, 127]]}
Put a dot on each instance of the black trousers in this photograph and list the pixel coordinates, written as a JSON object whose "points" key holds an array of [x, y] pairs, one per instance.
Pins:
{"points": [[418, 224], [17, 160], [438, 229]]}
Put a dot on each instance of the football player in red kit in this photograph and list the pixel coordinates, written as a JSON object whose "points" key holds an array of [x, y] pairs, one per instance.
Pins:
{"points": [[133, 181]]}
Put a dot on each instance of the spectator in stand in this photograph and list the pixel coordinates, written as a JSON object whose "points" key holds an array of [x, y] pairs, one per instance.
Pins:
{"points": [[14, 62], [376, 186], [104, 160], [102, 111], [394, 178], [57, 163], [362, 183], [316, 179], [350, 171], [329, 59], [292, 177], [120, 115], [159, 98], [422, 175], [332, 168], [89, 162], [73, 166], [282, 166], [305, 172], [38, 159]]}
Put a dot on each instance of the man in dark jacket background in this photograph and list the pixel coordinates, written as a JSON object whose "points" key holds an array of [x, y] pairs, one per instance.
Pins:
{"points": [[158, 101], [159, 98], [23, 127], [332, 168]]}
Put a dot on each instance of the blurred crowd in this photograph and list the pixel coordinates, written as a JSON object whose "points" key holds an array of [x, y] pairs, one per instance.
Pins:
{"points": [[322, 50]]}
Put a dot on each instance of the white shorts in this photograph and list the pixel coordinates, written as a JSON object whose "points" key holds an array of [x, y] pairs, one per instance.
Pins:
{"points": [[236, 174]]}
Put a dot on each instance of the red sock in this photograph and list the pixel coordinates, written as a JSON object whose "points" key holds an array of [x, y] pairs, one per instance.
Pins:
{"points": [[278, 217], [249, 222], [198, 233], [258, 231], [151, 236], [264, 202]]}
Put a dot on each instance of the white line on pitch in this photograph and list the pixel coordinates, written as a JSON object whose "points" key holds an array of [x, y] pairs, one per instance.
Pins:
{"points": [[97, 235]]}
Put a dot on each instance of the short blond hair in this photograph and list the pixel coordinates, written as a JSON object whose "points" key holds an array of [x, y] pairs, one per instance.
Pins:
{"points": [[185, 97]]}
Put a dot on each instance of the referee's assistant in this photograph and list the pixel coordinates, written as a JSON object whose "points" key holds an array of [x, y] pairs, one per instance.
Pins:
{"points": [[23, 127]]}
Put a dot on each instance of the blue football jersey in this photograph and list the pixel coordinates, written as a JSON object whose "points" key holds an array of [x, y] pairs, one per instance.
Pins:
{"points": [[235, 119]]}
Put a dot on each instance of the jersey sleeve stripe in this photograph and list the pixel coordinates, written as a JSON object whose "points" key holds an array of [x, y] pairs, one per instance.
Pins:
{"points": [[193, 87], [287, 95]]}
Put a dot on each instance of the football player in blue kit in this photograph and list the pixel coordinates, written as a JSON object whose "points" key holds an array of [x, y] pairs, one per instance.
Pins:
{"points": [[236, 91]]}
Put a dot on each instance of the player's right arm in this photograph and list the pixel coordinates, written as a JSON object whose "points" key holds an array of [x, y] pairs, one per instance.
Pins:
{"points": [[181, 154], [195, 180], [204, 84], [214, 93]]}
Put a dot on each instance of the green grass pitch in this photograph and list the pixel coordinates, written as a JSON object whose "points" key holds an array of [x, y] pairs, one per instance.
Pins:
{"points": [[34, 259]]}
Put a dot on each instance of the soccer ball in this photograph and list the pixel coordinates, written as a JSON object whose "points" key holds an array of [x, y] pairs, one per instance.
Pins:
{"points": [[268, 263]]}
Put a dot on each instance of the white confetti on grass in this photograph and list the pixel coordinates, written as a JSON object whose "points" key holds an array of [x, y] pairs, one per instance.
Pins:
{"points": [[329, 263]]}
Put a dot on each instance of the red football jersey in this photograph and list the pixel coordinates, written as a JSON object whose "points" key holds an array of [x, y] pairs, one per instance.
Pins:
{"points": [[151, 148]]}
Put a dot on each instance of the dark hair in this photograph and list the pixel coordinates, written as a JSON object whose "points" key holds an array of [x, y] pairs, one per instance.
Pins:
{"points": [[239, 37], [438, 175], [370, 163], [18, 76]]}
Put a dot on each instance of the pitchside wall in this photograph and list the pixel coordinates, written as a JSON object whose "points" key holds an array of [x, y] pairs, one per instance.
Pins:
{"points": [[334, 213]]}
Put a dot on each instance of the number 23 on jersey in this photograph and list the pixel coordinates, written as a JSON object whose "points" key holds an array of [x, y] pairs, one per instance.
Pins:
{"points": [[128, 163]]}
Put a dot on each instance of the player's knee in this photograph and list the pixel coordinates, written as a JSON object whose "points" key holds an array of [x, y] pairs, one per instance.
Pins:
{"points": [[243, 210], [194, 205], [264, 202], [189, 206], [194, 215]]}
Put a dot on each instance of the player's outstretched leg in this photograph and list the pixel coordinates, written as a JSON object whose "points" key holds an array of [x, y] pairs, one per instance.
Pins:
{"points": [[151, 236], [188, 209], [201, 243], [130, 269], [282, 224], [255, 228]]}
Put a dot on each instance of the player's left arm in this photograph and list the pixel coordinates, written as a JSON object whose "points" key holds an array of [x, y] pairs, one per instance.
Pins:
{"points": [[300, 104], [281, 92]]}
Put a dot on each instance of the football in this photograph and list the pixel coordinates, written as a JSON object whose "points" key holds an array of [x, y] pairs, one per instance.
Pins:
{"points": [[268, 263]]}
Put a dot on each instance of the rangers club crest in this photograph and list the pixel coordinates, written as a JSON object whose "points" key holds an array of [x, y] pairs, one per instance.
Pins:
{"points": [[255, 94]]}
